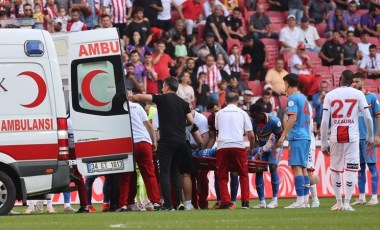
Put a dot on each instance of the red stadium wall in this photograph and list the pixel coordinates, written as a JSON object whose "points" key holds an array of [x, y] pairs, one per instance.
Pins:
{"points": [[322, 164]]}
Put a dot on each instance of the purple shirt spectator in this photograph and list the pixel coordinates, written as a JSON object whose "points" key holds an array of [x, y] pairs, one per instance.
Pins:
{"points": [[369, 21], [334, 23], [140, 72], [352, 20]]}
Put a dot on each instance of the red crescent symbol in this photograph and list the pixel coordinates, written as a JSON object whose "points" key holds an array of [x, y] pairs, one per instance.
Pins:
{"points": [[41, 88], [87, 91]]}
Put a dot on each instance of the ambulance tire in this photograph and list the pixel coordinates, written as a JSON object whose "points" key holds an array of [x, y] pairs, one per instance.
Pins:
{"points": [[7, 194]]}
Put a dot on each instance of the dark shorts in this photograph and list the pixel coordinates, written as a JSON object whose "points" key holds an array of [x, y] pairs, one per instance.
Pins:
{"points": [[186, 164]]}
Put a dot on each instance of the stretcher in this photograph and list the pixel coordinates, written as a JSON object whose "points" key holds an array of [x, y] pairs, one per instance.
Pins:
{"points": [[209, 163]]}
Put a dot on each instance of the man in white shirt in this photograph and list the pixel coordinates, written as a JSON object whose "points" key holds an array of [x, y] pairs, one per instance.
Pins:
{"points": [[231, 122], [370, 63], [144, 142], [290, 36], [341, 109], [311, 37], [364, 44], [208, 7]]}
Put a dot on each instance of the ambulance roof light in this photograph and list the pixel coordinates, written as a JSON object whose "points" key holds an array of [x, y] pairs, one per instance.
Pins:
{"points": [[34, 48]]}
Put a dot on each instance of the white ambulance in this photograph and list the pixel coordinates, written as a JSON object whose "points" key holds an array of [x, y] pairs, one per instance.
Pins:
{"points": [[33, 133]]}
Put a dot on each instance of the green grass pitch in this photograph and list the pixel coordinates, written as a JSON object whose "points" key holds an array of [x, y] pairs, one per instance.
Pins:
{"points": [[365, 217]]}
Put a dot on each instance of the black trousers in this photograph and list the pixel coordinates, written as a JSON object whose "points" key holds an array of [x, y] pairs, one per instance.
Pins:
{"points": [[257, 72]]}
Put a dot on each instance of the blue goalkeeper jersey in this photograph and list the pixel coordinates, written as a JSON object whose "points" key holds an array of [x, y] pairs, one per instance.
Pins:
{"points": [[299, 106], [374, 109], [272, 124]]}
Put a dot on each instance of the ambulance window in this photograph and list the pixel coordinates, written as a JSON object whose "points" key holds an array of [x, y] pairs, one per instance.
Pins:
{"points": [[95, 85], [61, 47]]}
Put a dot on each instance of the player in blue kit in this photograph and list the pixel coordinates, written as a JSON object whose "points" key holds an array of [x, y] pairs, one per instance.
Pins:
{"points": [[265, 124], [298, 132], [368, 156]]}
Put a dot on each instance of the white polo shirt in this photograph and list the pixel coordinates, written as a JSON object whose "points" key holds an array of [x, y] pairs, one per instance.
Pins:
{"points": [[291, 36], [370, 63], [201, 121], [310, 36], [231, 123], [364, 48], [138, 117]]}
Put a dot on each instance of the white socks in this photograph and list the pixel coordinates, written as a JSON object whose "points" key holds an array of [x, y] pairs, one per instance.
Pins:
{"points": [[337, 185], [349, 187]]}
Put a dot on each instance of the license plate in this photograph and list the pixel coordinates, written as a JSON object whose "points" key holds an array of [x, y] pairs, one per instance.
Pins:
{"points": [[105, 166]]}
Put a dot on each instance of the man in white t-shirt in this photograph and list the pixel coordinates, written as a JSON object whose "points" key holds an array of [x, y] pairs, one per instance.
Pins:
{"points": [[208, 7], [290, 36], [363, 45], [231, 122], [311, 37], [164, 16], [341, 109], [144, 142]]}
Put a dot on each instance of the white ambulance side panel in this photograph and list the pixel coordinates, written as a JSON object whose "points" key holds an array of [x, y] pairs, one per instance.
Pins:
{"points": [[98, 107]]}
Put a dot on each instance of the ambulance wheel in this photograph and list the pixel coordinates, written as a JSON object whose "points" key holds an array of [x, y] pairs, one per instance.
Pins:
{"points": [[7, 194]]}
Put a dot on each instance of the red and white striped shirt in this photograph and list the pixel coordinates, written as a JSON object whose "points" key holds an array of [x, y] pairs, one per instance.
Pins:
{"points": [[212, 77], [119, 10], [6, 2]]}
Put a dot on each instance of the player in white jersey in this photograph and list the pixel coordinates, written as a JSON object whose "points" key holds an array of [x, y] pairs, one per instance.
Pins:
{"points": [[341, 110]]}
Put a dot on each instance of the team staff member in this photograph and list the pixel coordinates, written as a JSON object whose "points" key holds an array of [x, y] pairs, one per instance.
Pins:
{"points": [[264, 124], [341, 109], [173, 116], [368, 156], [143, 146], [231, 122], [298, 131]]}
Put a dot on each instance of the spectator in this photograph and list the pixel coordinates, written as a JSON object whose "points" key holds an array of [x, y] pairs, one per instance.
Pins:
{"points": [[260, 25], [130, 79], [151, 8], [371, 21], [5, 5], [16, 10], [317, 11], [139, 69], [352, 18], [135, 42], [311, 37], [222, 93], [161, 62], [370, 63], [317, 101], [202, 93], [215, 24], [177, 29], [264, 102], [224, 69], [364, 44], [213, 76], [189, 67], [237, 61], [208, 7], [138, 24], [336, 22], [75, 25], [63, 18], [290, 36], [185, 91], [90, 12], [278, 5], [231, 149], [351, 52], [296, 9], [28, 12], [212, 46], [164, 16], [178, 67], [236, 86], [247, 101], [259, 56], [180, 47], [275, 77], [174, 114], [332, 51], [273, 99], [300, 64], [151, 79], [342, 4], [193, 15], [235, 24]]}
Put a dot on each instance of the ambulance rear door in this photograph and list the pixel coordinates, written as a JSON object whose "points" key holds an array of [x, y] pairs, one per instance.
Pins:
{"points": [[98, 104]]}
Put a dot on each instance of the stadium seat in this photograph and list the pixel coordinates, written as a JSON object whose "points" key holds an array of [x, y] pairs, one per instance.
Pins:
{"points": [[276, 17], [174, 16], [277, 27], [372, 88], [248, 15], [314, 59], [321, 29], [324, 73], [256, 88], [272, 46], [322, 41], [201, 31], [361, 12], [336, 78], [231, 42], [207, 114], [373, 40], [356, 40], [283, 101], [353, 68], [337, 69], [287, 55]]}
